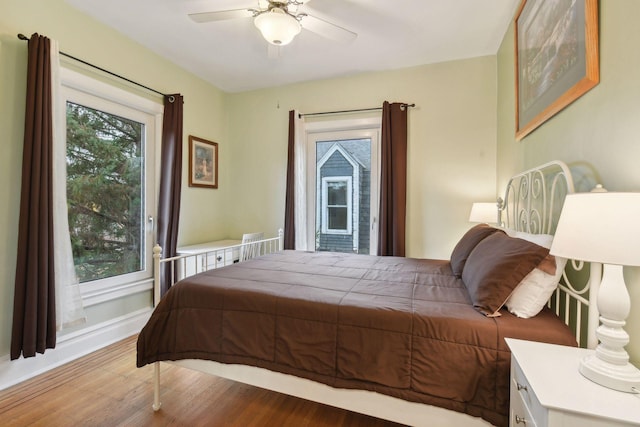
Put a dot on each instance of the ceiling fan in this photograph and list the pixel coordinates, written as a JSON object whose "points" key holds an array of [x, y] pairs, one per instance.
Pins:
{"points": [[280, 21]]}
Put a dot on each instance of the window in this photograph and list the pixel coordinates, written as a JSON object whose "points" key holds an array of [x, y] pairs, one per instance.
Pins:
{"points": [[342, 185], [337, 203], [110, 139], [105, 171]]}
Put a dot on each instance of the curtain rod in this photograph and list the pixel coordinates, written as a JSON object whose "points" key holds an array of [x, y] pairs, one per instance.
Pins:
{"points": [[358, 110], [23, 37]]}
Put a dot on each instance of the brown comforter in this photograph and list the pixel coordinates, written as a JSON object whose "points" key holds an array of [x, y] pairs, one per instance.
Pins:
{"points": [[399, 326]]}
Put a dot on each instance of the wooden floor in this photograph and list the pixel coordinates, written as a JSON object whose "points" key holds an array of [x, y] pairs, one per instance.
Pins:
{"points": [[106, 389]]}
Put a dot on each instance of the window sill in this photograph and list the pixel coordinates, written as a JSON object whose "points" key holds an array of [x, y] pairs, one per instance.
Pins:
{"points": [[98, 294]]}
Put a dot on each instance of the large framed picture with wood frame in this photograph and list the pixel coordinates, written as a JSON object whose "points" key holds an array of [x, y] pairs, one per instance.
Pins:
{"points": [[556, 52]]}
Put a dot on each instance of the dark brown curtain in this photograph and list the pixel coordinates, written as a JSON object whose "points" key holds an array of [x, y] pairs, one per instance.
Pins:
{"points": [[34, 316], [289, 208], [393, 180], [170, 183]]}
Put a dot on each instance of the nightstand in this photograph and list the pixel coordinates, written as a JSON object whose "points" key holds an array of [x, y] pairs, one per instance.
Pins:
{"points": [[548, 390]]}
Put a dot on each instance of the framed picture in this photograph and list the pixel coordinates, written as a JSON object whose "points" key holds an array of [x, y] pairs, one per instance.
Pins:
{"points": [[556, 58], [203, 163]]}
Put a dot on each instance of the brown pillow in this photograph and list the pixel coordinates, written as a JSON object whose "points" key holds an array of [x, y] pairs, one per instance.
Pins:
{"points": [[466, 244], [548, 265], [495, 267]]}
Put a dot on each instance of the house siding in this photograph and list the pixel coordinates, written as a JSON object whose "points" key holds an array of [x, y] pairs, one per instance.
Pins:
{"points": [[336, 165]]}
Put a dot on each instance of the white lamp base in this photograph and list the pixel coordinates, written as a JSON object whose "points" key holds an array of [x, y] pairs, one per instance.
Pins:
{"points": [[609, 366], [618, 377]]}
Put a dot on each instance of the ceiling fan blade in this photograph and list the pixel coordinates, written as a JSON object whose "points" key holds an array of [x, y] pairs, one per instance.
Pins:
{"points": [[222, 15], [327, 29]]}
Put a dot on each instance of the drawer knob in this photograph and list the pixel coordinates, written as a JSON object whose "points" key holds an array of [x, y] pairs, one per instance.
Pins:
{"points": [[521, 420], [219, 258], [521, 387]]}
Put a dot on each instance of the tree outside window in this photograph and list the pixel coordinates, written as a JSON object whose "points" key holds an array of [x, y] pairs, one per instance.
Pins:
{"points": [[105, 190]]}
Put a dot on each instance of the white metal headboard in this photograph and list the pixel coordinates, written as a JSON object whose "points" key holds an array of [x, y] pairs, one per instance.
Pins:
{"points": [[533, 199], [532, 203]]}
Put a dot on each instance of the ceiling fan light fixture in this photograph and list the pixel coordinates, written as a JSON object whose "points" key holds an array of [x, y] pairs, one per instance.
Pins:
{"points": [[277, 26]]}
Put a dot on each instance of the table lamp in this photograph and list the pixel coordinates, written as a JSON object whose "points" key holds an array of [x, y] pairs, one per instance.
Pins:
{"points": [[604, 227], [484, 212]]}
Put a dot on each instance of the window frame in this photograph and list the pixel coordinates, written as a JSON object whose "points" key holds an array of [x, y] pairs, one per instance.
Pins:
{"points": [[98, 92], [342, 129], [325, 205]]}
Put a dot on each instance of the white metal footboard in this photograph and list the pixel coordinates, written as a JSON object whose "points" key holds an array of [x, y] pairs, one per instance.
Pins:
{"points": [[199, 262]]}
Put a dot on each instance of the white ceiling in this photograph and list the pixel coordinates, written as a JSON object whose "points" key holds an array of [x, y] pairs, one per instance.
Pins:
{"points": [[232, 55]]}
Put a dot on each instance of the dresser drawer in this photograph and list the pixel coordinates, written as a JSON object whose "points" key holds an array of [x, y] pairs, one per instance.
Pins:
{"points": [[524, 400], [547, 386], [220, 258], [206, 256], [519, 415]]}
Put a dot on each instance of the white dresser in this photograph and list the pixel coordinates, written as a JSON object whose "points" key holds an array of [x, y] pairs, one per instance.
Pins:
{"points": [[548, 390], [209, 255]]}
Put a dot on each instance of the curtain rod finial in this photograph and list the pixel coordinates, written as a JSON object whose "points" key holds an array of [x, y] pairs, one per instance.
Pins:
{"points": [[22, 37]]}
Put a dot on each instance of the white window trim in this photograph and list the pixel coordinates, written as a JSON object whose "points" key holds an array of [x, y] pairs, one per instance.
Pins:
{"points": [[356, 184], [86, 90], [325, 206], [336, 130]]}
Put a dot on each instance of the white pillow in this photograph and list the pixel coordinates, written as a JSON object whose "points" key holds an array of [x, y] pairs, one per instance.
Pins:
{"points": [[543, 240], [533, 292]]}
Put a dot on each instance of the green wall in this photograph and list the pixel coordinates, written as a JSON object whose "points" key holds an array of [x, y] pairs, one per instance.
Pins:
{"points": [[452, 136], [87, 39], [451, 144], [598, 135]]}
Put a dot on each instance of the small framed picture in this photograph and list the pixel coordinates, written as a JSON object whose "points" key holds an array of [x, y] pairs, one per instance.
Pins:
{"points": [[203, 163]]}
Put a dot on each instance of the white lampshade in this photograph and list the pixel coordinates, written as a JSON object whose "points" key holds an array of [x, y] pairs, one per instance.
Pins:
{"points": [[277, 26], [603, 227], [484, 212], [599, 227]]}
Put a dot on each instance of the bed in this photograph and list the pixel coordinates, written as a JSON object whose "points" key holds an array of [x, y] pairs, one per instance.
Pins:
{"points": [[416, 341]]}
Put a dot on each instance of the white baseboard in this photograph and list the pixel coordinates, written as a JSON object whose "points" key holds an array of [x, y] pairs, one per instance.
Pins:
{"points": [[72, 346]]}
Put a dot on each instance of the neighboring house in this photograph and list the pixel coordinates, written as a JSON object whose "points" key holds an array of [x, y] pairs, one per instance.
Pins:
{"points": [[343, 196]]}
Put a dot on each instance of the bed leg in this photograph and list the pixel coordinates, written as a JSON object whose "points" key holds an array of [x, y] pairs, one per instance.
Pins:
{"points": [[156, 387]]}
